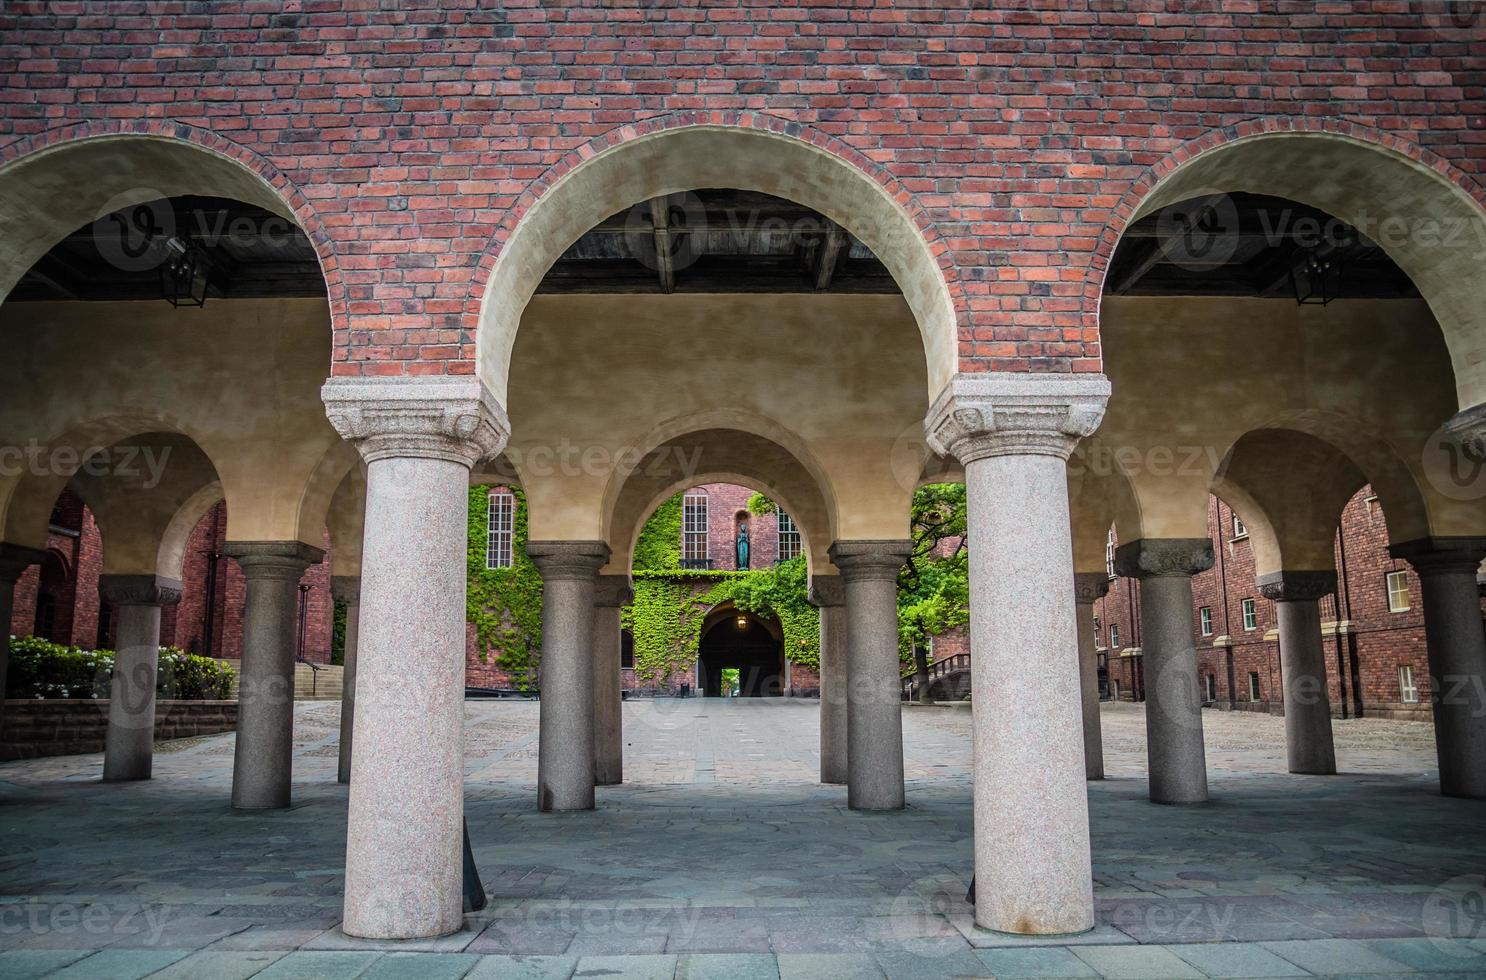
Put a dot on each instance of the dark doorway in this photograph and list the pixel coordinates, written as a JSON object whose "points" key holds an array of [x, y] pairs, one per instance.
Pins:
{"points": [[743, 642]]}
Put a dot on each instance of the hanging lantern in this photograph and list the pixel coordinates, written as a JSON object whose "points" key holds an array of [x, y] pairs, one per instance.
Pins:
{"points": [[1315, 274], [184, 273]]}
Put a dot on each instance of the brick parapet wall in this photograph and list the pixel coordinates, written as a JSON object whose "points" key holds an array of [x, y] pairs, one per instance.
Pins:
{"points": [[1018, 138], [32, 729]]}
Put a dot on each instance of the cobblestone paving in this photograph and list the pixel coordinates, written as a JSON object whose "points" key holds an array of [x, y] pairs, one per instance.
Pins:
{"points": [[721, 857]]}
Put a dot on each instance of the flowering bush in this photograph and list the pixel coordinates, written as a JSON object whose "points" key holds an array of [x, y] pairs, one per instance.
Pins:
{"points": [[42, 669]]}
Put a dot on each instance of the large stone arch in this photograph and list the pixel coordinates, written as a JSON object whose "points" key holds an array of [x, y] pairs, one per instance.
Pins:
{"points": [[745, 151], [55, 182], [1428, 217]]}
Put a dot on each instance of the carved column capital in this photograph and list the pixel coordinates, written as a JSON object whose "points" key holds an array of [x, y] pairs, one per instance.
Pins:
{"points": [[558, 560], [1296, 586], [982, 415], [15, 559], [273, 559], [139, 590], [827, 591], [1442, 555], [1468, 427], [1089, 586], [346, 589], [862, 561], [1164, 557], [453, 418], [612, 591]]}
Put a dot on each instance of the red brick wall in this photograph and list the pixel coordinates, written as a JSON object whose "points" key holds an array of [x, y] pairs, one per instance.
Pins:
{"points": [[727, 507], [1018, 136]]}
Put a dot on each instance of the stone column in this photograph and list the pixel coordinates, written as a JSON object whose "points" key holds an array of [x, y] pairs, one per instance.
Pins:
{"points": [[1297, 595], [14, 560], [1014, 434], [1087, 588], [129, 742], [1176, 757], [347, 589], [404, 838], [262, 765], [610, 592], [828, 594], [565, 766], [874, 714], [1457, 656]]}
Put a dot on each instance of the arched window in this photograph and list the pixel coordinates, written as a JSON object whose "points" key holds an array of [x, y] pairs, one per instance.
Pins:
{"points": [[694, 551]]}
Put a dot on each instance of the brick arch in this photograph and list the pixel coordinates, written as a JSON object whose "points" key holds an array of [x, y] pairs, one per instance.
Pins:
{"points": [[228, 164], [1389, 178], [617, 170]]}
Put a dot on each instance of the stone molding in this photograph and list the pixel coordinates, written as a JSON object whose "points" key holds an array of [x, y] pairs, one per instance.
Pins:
{"points": [[1442, 555], [1089, 586], [1296, 586], [15, 559], [862, 561], [612, 591], [559, 560], [978, 416], [452, 418], [139, 590], [827, 591], [273, 559], [1164, 557], [1468, 427], [346, 589]]}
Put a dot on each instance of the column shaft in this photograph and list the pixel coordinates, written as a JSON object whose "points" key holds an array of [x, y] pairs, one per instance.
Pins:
{"points": [[829, 596], [262, 767], [1296, 594], [1457, 677], [1088, 676], [129, 741], [565, 740], [1032, 861], [1175, 750], [347, 589], [610, 593]]}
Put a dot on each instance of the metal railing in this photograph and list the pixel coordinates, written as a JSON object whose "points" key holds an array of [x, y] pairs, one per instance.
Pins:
{"points": [[938, 669]]}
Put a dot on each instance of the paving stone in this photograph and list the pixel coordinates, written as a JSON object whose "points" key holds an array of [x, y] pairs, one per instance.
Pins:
{"points": [[1432, 955], [206, 964], [1334, 957], [929, 958], [626, 967], [828, 966], [523, 968], [22, 964], [727, 966], [319, 966], [1135, 962], [120, 964], [1033, 962], [335, 939], [1236, 960], [421, 966]]}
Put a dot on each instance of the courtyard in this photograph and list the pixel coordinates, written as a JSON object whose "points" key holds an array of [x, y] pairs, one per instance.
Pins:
{"points": [[722, 856]]}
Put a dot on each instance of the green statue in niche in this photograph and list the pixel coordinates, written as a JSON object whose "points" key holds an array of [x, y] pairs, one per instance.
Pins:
{"points": [[740, 548]]}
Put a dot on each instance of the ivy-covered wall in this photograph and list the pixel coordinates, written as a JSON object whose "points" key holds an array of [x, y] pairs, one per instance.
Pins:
{"points": [[504, 605]]}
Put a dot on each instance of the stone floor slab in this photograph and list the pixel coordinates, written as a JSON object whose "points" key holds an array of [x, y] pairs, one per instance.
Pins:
{"points": [[1237, 960], [23, 964], [828, 966], [1013, 964], [1338, 957], [727, 966], [421, 966], [206, 964], [647, 967], [523, 968], [1136, 962], [1432, 955], [320, 965], [120, 964]]}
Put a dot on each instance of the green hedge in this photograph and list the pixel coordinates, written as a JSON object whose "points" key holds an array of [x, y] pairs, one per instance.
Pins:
{"points": [[42, 669]]}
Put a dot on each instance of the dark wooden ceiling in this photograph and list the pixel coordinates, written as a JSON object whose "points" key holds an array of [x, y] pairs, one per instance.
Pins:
{"points": [[722, 241], [1247, 245]]}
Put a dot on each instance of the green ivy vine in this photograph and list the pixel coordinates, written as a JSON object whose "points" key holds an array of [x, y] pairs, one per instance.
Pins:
{"points": [[504, 604]]}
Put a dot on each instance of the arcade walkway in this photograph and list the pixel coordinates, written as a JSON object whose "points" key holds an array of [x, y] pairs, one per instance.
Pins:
{"points": [[721, 857]]}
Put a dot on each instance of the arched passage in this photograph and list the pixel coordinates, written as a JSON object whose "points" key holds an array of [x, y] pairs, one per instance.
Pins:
{"points": [[579, 195], [741, 654]]}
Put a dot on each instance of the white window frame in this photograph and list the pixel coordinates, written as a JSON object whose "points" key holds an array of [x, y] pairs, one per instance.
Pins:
{"points": [[1399, 598], [790, 541], [1210, 685], [695, 543], [1250, 614], [1205, 619], [1114, 636], [500, 529], [1240, 529], [1109, 554], [1408, 690], [1254, 690]]}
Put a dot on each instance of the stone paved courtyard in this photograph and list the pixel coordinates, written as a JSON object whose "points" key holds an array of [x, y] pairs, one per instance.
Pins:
{"points": [[721, 857]]}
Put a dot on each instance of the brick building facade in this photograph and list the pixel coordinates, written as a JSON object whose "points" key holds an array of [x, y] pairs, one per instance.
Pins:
{"points": [[1373, 625]]}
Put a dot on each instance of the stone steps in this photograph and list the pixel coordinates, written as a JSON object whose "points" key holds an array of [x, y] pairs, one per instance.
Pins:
{"points": [[319, 683]]}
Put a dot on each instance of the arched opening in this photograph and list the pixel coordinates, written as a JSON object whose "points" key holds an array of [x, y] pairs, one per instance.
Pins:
{"points": [[740, 655]]}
